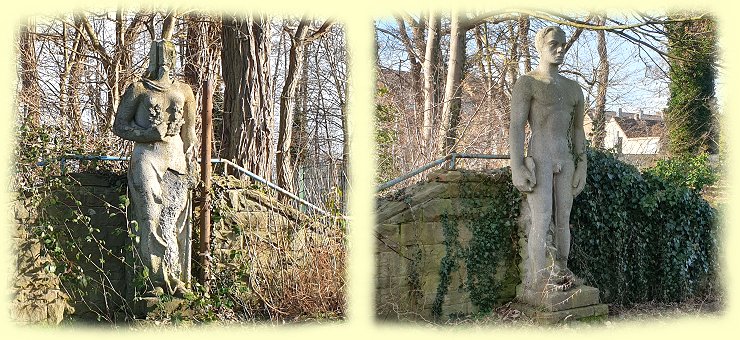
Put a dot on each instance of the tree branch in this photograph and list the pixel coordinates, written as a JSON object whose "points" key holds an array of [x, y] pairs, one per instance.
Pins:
{"points": [[168, 26], [323, 29], [94, 41]]}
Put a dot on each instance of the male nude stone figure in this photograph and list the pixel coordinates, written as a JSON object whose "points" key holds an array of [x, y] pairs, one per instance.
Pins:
{"points": [[554, 171], [158, 114]]}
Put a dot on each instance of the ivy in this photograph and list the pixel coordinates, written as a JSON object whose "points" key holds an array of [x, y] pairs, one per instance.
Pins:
{"points": [[76, 247], [637, 237], [689, 116], [691, 171], [448, 264], [494, 235], [492, 222], [640, 237]]}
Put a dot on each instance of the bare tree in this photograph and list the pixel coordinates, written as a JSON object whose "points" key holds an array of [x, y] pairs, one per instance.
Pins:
{"points": [[299, 38], [248, 103], [431, 78], [30, 97], [474, 115], [451, 102], [602, 79]]}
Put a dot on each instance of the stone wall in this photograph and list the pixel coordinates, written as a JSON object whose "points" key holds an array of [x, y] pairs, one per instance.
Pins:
{"points": [[89, 229], [91, 211], [88, 219], [249, 229], [424, 226], [38, 298]]}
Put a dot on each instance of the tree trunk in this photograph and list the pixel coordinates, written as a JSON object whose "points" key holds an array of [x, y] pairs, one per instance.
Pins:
{"points": [[453, 91], [512, 61], [689, 117], [300, 121], [247, 99], [431, 79], [69, 81], [485, 62], [412, 45], [30, 93], [599, 119], [195, 61], [524, 42], [288, 105]]}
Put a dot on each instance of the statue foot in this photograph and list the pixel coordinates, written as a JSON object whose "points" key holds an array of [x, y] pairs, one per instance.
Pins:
{"points": [[181, 291], [557, 279], [155, 292], [564, 280]]}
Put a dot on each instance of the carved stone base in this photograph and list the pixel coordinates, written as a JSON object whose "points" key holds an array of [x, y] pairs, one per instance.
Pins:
{"points": [[142, 307], [551, 307], [544, 317]]}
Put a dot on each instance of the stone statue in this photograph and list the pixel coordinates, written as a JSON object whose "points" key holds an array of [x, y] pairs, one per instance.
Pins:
{"points": [[554, 169], [157, 113]]}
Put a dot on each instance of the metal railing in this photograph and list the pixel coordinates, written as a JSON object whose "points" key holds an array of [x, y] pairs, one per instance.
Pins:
{"points": [[268, 183], [63, 160], [451, 165], [226, 162]]}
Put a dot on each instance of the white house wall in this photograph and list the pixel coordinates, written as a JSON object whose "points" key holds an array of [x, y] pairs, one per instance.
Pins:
{"points": [[640, 146], [631, 146]]}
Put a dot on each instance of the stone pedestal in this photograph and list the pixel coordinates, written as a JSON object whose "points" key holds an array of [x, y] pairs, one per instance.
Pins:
{"points": [[576, 303]]}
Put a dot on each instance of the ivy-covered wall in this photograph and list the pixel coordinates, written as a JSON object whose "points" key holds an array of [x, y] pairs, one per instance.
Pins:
{"points": [[449, 245], [444, 247], [77, 233], [75, 250], [38, 298], [640, 238]]}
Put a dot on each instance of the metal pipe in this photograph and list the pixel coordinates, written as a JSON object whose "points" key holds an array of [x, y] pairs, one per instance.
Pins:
{"points": [[483, 156], [226, 163], [273, 186], [413, 173], [452, 157], [205, 176]]}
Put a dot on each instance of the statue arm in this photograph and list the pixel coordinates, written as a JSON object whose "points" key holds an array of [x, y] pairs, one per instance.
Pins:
{"points": [[579, 145], [187, 133], [125, 126], [521, 96]]}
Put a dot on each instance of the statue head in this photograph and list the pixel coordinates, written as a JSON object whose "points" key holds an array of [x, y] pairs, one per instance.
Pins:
{"points": [[161, 59], [550, 45]]}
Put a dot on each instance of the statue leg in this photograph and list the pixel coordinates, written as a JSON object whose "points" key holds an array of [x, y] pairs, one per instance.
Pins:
{"points": [[175, 202], [563, 186], [540, 205], [146, 199]]}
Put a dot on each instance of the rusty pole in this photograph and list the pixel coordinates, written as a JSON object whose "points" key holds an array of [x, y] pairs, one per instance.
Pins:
{"points": [[205, 176]]}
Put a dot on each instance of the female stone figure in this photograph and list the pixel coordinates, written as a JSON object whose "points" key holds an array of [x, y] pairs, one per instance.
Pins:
{"points": [[157, 113]]}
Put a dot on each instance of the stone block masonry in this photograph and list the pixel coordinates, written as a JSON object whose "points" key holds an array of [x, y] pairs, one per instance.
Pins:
{"points": [[90, 229], [423, 233], [90, 226]]}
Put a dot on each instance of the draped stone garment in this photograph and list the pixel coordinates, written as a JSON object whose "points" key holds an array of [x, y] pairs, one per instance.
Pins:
{"points": [[159, 185]]}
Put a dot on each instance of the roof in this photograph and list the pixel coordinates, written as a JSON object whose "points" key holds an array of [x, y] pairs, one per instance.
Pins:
{"points": [[609, 114], [637, 128]]}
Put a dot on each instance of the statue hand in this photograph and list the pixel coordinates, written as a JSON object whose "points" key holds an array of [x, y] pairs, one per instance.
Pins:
{"points": [[579, 179], [193, 166], [523, 179]]}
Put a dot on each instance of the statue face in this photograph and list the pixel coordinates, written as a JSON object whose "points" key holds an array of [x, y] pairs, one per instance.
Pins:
{"points": [[552, 49]]}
